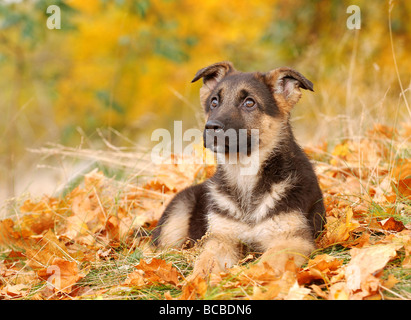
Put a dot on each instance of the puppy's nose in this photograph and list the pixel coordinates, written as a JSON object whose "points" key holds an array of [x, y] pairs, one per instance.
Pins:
{"points": [[214, 125]]}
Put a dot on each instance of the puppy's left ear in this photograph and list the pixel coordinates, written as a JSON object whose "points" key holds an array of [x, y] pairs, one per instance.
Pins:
{"points": [[212, 75], [285, 84]]}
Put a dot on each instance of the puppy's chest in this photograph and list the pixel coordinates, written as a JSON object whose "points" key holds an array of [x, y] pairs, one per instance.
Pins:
{"points": [[246, 200]]}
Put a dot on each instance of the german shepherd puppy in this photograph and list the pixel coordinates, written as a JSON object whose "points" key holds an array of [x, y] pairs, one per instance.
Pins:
{"points": [[278, 209]]}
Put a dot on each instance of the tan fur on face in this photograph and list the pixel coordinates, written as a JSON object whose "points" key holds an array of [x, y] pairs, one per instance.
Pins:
{"points": [[204, 92], [272, 131]]}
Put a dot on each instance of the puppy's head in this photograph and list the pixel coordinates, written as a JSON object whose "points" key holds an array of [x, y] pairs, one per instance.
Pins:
{"points": [[235, 101]]}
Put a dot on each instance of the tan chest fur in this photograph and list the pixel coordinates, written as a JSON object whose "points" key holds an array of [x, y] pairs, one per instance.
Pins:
{"points": [[249, 209]]}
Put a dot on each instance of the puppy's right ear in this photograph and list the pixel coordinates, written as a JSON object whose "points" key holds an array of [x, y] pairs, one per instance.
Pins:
{"points": [[211, 76]]}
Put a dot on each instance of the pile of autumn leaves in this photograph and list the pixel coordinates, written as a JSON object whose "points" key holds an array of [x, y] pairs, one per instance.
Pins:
{"points": [[50, 247]]}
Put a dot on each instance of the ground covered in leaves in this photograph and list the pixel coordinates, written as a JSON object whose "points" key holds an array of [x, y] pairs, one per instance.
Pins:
{"points": [[92, 243]]}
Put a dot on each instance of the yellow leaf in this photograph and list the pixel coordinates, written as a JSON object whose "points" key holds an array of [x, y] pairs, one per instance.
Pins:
{"points": [[367, 261]]}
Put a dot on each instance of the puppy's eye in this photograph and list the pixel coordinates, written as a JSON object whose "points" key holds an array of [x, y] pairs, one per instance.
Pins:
{"points": [[249, 103], [214, 103]]}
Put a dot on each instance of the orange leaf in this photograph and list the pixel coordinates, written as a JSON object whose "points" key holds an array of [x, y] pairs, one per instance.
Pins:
{"points": [[339, 291], [365, 262], [404, 187], [15, 291], [321, 267], [13, 257], [391, 224], [390, 282], [39, 222], [195, 289], [268, 292], [48, 248], [7, 234], [338, 230], [135, 279], [159, 271], [62, 275], [261, 273], [401, 173], [113, 228]]}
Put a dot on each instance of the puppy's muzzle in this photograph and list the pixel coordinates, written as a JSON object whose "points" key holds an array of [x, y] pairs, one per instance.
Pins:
{"points": [[214, 138], [214, 125]]}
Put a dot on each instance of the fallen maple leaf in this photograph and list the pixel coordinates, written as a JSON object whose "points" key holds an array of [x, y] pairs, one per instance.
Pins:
{"points": [[194, 290], [339, 229], [135, 279], [158, 271], [390, 282], [341, 151], [297, 292], [401, 173], [260, 273], [320, 268], [15, 291], [7, 234], [339, 291], [61, 274], [406, 263], [285, 287], [45, 250], [42, 214], [361, 272], [383, 131], [37, 223], [180, 173], [13, 258], [268, 292], [113, 228], [390, 224], [271, 284], [319, 292]]}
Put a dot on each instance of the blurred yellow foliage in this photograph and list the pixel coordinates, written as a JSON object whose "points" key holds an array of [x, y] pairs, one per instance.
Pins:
{"points": [[120, 63], [133, 61], [127, 64]]}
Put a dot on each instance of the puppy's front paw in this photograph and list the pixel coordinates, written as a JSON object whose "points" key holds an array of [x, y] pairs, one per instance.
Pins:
{"points": [[203, 267]]}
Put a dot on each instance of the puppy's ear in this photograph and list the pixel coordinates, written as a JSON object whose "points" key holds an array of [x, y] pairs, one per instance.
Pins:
{"points": [[285, 84], [211, 76]]}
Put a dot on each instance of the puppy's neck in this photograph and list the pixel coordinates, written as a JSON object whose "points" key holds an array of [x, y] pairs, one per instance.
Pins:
{"points": [[270, 162]]}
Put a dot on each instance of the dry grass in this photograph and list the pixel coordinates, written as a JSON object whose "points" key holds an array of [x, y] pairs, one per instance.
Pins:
{"points": [[355, 173]]}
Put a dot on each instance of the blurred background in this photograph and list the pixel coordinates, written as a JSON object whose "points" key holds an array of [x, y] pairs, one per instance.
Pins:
{"points": [[117, 70]]}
